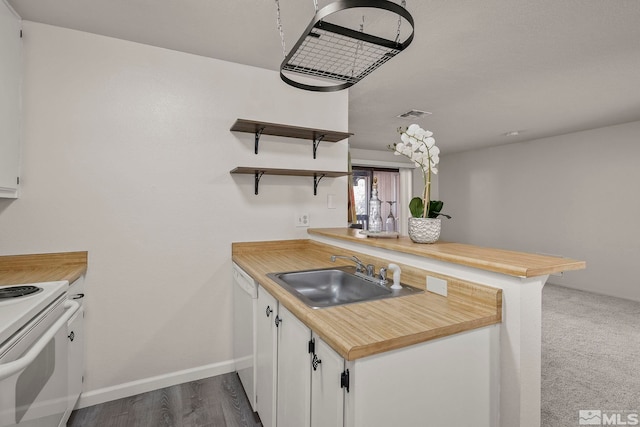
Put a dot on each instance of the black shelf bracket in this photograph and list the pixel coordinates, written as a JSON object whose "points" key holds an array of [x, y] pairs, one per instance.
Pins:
{"points": [[258, 175], [316, 181], [316, 142], [257, 141]]}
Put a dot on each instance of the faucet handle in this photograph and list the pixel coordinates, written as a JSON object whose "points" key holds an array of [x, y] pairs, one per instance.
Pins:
{"points": [[371, 270], [383, 273]]}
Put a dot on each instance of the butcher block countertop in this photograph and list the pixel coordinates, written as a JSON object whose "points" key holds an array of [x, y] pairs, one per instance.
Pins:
{"points": [[38, 268], [511, 263], [363, 329]]}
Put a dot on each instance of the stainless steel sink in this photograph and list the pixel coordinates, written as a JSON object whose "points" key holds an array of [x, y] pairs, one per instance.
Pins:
{"points": [[335, 286]]}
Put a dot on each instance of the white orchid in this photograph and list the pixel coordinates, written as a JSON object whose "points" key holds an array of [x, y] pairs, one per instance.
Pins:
{"points": [[420, 147]]}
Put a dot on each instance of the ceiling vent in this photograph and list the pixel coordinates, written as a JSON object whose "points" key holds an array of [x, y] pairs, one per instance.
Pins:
{"points": [[414, 114]]}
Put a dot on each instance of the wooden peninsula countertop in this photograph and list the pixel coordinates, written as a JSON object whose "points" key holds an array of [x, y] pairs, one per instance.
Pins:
{"points": [[363, 329], [512, 263], [38, 268]]}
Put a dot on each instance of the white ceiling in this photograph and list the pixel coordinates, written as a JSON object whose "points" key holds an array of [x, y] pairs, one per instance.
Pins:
{"points": [[483, 68]]}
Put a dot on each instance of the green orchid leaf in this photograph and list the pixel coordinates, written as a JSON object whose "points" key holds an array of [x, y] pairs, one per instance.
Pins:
{"points": [[435, 206], [416, 206]]}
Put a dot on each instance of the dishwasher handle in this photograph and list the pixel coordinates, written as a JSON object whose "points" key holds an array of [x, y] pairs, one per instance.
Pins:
{"points": [[10, 368], [243, 281]]}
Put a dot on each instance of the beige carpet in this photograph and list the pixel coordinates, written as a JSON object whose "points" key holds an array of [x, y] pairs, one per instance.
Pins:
{"points": [[590, 358]]}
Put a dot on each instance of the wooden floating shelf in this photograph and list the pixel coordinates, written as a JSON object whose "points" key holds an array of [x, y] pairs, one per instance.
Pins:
{"points": [[264, 128], [317, 175], [288, 172]]}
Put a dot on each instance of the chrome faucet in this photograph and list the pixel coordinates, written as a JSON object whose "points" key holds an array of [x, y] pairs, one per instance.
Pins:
{"points": [[360, 267], [367, 272]]}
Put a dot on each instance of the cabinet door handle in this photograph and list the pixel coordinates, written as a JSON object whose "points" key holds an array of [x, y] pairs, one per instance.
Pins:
{"points": [[269, 311], [71, 336], [77, 296], [315, 362], [278, 321]]}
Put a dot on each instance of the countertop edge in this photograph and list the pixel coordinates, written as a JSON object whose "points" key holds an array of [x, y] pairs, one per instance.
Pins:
{"points": [[46, 267], [420, 338], [512, 263]]}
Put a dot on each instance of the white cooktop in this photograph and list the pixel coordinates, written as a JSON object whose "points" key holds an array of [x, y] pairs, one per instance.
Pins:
{"points": [[16, 312]]}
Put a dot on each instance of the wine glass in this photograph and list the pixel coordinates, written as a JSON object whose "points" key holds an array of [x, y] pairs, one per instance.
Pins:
{"points": [[390, 223]]}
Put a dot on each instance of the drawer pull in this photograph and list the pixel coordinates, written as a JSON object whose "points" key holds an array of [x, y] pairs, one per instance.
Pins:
{"points": [[315, 362]]}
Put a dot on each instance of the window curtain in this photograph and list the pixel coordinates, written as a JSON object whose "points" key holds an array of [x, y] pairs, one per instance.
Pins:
{"points": [[406, 194], [388, 189], [351, 200]]}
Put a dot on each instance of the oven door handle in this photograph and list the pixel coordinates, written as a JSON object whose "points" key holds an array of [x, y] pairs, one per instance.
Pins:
{"points": [[8, 369]]}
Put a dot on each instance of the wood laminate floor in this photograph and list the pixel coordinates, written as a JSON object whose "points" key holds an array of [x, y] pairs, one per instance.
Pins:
{"points": [[213, 402]]}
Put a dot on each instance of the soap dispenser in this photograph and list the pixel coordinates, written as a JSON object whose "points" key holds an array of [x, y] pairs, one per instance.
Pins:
{"points": [[375, 210]]}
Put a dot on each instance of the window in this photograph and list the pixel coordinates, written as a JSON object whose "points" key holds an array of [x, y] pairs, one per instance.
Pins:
{"points": [[388, 193]]}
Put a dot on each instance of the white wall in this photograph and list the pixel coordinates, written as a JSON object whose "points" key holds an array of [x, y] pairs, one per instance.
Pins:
{"points": [[126, 154], [572, 195]]}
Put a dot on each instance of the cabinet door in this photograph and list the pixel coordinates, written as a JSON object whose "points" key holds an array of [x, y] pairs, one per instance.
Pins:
{"points": [[75, 334], [294, 372], [10, 80], [327, 395], [266, 358]]}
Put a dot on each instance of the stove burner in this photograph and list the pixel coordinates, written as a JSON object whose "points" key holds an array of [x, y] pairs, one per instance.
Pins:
{"points": [[17, 291]]}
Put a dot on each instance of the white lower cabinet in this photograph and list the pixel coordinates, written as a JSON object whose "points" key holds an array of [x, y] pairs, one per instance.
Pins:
{"points": [[266, 358], [302, 382], [75, 334], [290, 392], [294, 372], [450, 381], [327, 393]]}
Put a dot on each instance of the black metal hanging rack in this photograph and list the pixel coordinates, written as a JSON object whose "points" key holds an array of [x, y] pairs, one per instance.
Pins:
{"points": [[338, 54]]}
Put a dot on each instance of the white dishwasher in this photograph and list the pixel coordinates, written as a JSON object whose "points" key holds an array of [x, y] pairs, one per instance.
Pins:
{"points": [[245, 301]]}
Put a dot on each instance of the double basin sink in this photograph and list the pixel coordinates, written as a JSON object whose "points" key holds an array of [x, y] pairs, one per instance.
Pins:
{"points": [[329, 287]]}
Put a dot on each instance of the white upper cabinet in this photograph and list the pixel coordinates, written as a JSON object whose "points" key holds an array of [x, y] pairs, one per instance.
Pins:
{"points": [[10, 100]]}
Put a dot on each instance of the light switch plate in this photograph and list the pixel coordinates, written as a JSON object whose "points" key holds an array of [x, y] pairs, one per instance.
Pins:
{"points": [[331, 201], [437, 286]]}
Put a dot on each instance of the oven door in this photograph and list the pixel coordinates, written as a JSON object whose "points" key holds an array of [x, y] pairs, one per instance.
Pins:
{"points": [[33, 370]]}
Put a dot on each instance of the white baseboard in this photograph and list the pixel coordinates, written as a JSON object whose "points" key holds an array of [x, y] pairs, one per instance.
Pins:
{"points": [[107, 394]]}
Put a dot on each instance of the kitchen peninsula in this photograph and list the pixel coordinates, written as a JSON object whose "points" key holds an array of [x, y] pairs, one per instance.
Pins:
{"points": [[487, 290], [521, 276]]}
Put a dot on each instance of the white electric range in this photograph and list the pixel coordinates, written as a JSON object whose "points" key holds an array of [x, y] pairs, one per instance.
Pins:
{"points": [[33, 354], [20, 303]]}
